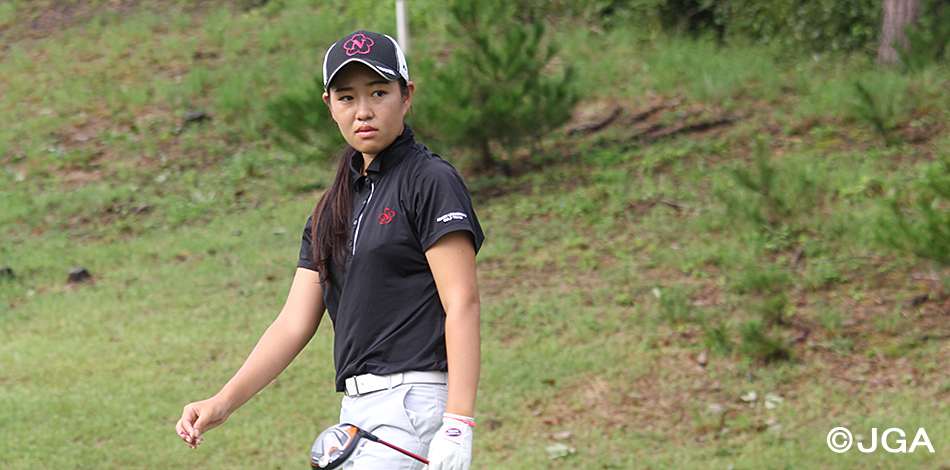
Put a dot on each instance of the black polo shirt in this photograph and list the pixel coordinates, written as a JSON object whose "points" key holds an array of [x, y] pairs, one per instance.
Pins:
{"points": [[386, 312]]}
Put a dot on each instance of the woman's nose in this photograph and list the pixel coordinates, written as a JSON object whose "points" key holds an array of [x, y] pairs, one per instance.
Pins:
{"points": [[364, 110]]}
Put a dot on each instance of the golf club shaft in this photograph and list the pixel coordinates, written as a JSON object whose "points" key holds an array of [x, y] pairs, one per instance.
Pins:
{"points": [[404, 451], [373, 437]]}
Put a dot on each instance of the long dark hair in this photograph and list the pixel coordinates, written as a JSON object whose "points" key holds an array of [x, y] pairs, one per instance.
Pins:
{"points": [[330, 228]]}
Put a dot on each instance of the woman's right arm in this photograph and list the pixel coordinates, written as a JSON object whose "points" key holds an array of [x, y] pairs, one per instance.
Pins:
{"points": [[279, 345]]}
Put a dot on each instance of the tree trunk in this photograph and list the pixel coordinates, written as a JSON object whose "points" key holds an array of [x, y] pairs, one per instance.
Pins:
{"points": [[487, 161], [898, 15]]}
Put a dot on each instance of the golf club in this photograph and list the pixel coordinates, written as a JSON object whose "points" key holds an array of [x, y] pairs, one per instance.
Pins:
{"points": [[335, 444]]}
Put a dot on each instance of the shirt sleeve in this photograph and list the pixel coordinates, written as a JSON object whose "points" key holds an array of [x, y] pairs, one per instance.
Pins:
{"points": [[306, 250], [443, 205]]}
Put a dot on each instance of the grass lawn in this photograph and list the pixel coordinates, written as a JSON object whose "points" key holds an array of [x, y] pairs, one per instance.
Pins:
{"points": [[699, 283]]}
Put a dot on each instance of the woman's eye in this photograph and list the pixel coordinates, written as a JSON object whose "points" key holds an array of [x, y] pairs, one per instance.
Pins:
{"points": [[379, 93], [346, 98]]}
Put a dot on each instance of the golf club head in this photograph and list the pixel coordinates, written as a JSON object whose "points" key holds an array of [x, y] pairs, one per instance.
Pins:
{"points": [[334, 445]]}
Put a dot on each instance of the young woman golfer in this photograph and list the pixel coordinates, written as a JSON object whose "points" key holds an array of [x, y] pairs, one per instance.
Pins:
{"points": [[389, 253]]}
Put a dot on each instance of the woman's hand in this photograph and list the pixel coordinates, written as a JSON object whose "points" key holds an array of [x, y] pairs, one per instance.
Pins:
{"points": [[279, 345], [200, 417]]}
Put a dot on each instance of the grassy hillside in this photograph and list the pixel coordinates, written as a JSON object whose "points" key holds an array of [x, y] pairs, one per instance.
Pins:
{"points": [[708, 226]]}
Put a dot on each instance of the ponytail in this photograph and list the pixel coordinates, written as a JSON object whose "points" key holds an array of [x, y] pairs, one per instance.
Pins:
{"points": [[331, 216]]}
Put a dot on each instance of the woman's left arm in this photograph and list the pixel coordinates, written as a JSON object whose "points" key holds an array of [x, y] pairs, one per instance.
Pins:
{"points": [[452, 261]]}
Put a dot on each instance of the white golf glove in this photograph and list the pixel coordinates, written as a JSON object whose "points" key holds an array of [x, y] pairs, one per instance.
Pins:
{"points": [[451, 449]]}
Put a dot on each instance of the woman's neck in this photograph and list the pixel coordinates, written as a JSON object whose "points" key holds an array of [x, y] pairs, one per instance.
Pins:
{"points": [[367, 159]]}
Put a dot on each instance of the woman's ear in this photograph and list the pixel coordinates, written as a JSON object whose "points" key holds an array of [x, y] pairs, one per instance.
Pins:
{"points": [[407, 100]]}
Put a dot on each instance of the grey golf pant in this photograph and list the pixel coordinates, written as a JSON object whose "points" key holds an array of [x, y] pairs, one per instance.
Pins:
{"points": [[407, 416]]}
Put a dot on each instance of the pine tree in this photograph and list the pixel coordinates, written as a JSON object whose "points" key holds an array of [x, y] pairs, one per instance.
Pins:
{"points": [[923, 227], [496, 85]]}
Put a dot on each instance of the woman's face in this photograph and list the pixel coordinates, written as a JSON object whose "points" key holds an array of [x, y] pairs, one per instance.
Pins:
{"points": [[368, 109]]}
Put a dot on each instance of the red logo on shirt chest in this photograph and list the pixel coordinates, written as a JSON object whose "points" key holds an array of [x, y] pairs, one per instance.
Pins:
{"points": [[386, 217]]}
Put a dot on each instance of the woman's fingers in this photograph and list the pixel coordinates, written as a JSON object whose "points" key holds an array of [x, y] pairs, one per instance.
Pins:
{"points": [[188, 437], [184, 435], [199, 417], [186, 427]]}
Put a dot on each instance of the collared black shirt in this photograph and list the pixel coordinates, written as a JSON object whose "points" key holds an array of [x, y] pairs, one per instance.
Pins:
{"points": [[386, 312]]}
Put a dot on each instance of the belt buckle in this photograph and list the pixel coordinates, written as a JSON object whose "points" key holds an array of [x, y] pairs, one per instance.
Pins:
{"points": [[396, 379]]}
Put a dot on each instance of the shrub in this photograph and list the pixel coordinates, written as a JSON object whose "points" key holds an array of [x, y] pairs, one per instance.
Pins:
{"points": [[769, 196], [309, 131], [716, 338], [810, 25], [762, 344], [769, 279], [675, 305], [813, 26], [497, 86], [929, 42], [880, 110], [793, 25], [923, 228], [771, 308]]}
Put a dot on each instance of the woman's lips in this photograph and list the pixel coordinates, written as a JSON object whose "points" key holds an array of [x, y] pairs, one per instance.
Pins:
{"points": [[366, 132]]}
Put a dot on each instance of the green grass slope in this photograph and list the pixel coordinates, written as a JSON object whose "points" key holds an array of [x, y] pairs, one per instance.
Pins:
{"points": [[716, 235]]}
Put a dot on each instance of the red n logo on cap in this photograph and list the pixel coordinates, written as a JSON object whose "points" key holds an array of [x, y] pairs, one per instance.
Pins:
{"points": [[358, 44]]}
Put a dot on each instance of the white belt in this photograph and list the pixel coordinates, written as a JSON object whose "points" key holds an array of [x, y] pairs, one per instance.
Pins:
{"points": [[368, 383]]}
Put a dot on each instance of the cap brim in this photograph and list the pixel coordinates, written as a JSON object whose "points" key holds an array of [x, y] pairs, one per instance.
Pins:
{"points": [[382, 70]]}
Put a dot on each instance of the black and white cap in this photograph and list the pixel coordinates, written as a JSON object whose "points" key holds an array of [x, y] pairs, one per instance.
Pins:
{"points": [[378, 51]]}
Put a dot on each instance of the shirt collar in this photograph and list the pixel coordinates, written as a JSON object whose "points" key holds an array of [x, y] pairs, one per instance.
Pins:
{"points": [[385, 160]]}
